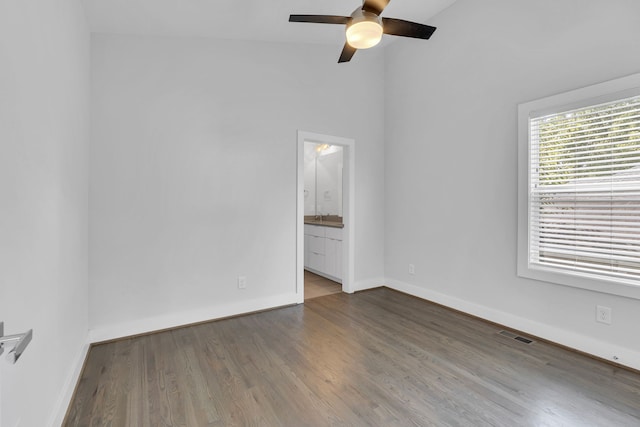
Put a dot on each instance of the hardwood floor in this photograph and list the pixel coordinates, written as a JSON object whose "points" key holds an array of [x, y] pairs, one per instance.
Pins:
{"points": [[317, 286], [375, 358]]}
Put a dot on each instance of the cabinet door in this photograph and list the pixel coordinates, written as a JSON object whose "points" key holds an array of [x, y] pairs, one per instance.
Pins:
{"points": [[316, 245], [314, 230], [334, 233], [330, 257]]}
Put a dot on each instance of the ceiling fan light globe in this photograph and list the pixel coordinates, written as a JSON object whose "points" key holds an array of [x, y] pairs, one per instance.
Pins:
{"points": [[364, 34]]}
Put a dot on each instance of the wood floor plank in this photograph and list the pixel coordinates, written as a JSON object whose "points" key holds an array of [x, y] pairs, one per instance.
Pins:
{"points": [[317, 286], [378, 358]]}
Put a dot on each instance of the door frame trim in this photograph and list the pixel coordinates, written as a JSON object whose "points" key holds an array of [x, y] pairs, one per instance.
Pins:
{"points": [[348, 208]]}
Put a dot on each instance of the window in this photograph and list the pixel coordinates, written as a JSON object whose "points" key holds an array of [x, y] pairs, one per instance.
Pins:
{"points": [[579, 219]]}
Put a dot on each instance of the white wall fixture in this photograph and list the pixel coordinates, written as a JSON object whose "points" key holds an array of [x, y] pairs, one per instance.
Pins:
{"points": [[14, 344]]}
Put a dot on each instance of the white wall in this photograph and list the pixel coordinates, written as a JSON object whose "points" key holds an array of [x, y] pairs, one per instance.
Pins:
{"points": [[193, 172], [451, 158], [44, 104]]}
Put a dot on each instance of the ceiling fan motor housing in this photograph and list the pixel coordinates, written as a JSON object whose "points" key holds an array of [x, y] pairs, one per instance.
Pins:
{"points": [[364, 30]]}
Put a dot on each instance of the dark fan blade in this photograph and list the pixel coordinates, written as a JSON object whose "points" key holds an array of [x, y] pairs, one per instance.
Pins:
{"points": [[347, 53], [320, 19], [375, 6], [400, 27]]}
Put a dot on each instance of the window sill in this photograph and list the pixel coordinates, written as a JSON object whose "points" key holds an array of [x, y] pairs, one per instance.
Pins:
{"points": [[559, 277]]}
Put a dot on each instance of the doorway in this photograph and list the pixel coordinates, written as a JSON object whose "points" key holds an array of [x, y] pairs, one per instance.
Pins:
{"points": [[345, 253]]}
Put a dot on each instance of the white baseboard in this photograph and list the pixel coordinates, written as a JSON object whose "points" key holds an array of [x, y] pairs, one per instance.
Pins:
{"points": [[621, 355], [362, 285], [66, 394], [172, 320]]}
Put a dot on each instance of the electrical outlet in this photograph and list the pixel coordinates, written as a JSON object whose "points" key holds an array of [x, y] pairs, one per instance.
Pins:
{"points": [[603, 314], [412, 269], [242, 282]]}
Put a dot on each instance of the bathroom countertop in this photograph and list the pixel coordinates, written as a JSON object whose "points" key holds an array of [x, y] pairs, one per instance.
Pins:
{"points": [[328, 221], [324, 223]]}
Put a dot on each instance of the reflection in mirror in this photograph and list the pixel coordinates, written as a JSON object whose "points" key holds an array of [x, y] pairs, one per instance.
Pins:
{"points": [[322, 179]]}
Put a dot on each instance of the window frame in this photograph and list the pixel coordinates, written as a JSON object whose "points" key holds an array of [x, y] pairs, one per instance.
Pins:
{"points": [[591, 95]]}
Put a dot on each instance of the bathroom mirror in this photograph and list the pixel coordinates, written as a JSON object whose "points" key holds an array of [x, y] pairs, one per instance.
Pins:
{"points": [[322, 179]]}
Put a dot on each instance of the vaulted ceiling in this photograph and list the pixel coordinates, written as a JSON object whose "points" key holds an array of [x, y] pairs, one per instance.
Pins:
{"points": [[240, 19]]}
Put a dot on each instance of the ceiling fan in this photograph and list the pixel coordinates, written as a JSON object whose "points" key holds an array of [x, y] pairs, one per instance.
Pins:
{"points": [[365, 26]]}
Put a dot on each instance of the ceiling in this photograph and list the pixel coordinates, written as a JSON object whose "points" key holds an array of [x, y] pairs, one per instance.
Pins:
{"points": [[241, 19]]}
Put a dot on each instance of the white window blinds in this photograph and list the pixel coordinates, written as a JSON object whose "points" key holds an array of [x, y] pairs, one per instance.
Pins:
{"points": [[584, 191]]}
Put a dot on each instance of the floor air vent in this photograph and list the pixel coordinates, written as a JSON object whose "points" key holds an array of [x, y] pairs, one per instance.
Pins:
{"points": [[515, 337]]}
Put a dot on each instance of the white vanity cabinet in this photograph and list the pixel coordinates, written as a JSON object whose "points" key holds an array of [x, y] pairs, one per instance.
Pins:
{"points": [[323, 251], [333, 252]]}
